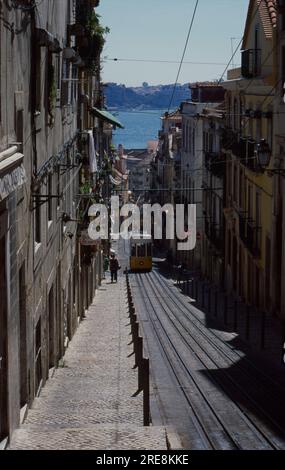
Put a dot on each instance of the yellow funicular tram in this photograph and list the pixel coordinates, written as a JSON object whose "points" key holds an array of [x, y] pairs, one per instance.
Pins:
{"points": [[141, 252]]}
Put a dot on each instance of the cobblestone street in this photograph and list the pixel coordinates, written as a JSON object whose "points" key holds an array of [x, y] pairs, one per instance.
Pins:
{"points": [[88, 403]]}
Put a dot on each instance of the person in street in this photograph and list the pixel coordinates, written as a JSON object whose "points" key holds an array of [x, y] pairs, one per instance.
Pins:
{"points": [[114, 268], [105, 265]]}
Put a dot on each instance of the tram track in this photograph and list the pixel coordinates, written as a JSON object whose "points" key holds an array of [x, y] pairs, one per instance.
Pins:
{"points": [[226, 349], [242, 390], [255, 432], [199, 421]]}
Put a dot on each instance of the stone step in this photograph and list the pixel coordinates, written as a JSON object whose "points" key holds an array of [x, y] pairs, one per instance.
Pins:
{"points": [[108, 437]]}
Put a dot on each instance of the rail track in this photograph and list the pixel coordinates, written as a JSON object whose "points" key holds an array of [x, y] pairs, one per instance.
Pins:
{"points": [[218, 385]]}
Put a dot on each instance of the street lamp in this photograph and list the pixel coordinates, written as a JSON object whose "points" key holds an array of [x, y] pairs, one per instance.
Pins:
{"points": [[263, 153]]}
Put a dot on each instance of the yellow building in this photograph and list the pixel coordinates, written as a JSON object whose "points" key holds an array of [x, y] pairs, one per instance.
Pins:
{"points": [[249, 144]]}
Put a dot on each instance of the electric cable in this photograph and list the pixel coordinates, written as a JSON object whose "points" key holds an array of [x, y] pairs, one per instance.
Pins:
{"points": [[183, 55]]}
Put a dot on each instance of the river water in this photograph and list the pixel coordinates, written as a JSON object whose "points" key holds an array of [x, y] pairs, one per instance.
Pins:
{"points": [[140, 127]]}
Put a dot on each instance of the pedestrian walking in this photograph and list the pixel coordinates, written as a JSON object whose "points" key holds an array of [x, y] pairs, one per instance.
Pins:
{"points": [[105, 265], [114, 268]]}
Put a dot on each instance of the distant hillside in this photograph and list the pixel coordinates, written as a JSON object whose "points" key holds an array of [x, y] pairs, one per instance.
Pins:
{"points": [[145, 97]]}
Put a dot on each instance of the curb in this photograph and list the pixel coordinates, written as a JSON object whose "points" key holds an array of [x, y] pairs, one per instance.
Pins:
{"points": [[173, 441]]}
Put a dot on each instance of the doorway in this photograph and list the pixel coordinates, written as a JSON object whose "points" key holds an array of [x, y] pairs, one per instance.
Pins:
{"points": [[51, 329], [4, 427], [23, 338]]}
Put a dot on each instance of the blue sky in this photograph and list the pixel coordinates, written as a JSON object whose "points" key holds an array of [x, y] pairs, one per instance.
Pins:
{"points": [[157, 30]]}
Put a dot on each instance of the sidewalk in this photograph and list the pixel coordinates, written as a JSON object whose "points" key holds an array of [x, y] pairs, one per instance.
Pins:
{"points": [[88, 404]]}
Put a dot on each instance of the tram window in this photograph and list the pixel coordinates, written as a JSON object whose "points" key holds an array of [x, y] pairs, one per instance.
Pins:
{"points": [[134, 250], [148, 249], [141, 250]]}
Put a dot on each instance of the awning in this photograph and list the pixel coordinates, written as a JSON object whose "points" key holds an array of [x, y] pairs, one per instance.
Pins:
{"points": [[105, 116]]}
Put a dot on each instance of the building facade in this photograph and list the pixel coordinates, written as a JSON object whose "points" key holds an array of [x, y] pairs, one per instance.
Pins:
{"points": [[278, 209], [214, 164], [52, 149], [202, 94], [249, 145]]}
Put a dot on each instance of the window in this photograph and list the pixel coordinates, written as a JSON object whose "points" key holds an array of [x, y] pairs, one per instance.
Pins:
{"points": [[187, 138], [235, 182], [282, 72], [249, 201], [50, 200], [74, 85], [211, 142], [57, 64], [229, 178], [241, 189], [269, 132], [38, 78], [258, 128], [141, 250], [148, 249], [229, 247], [37, 219], [66, 84], [235, 120], [258, 208], [38, 354], [241, 124]]}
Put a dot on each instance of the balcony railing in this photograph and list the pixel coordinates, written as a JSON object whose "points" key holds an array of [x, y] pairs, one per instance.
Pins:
{"points": [[215, 163], [250, 234], [251, 63], [244, 148], [228, 138]]}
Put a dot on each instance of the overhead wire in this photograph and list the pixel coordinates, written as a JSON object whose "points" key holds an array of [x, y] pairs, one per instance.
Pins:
{"points": [[183, 54], [161, 61]]}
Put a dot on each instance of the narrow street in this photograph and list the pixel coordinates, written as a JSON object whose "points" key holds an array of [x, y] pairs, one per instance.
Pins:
{"points": [[206, 382], [91, 402]]}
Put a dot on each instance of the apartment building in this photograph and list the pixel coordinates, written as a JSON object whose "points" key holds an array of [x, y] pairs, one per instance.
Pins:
{"points": [[202, 95], [249, 144], [51, 150], [214, 164]]}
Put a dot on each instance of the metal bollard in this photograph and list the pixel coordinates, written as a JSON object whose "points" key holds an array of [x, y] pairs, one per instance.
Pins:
{"points": [[139, 355], [135, 331], [203, 296], [235, 315], [225, 309], [247, 322], [146, 401], [209, 299], [133, 317]]}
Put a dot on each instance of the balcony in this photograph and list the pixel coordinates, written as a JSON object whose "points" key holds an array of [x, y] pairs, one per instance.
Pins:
{"points": [[215, 163], [250, 234], [90, 49], [228, 138], [244, 148], [83, 10], [251, 63]]}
